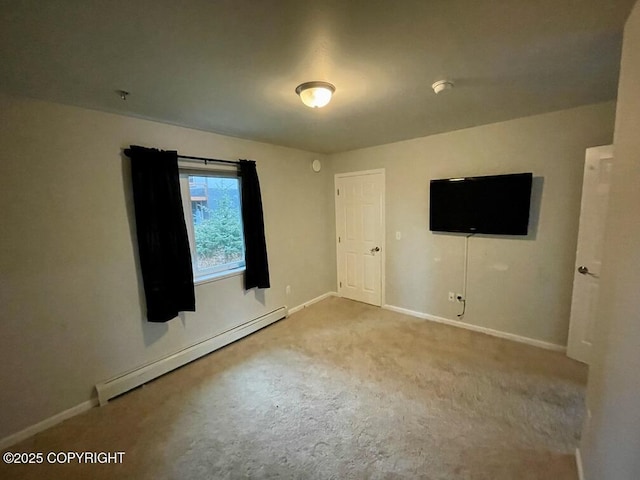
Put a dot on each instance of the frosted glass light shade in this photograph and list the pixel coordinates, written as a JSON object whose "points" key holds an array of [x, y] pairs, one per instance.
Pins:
{"points": [[315, 94]]}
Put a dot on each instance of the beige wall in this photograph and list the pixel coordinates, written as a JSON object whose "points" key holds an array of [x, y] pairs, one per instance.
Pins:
{"points": [[611, 440], [70, 293], [516, 285]]}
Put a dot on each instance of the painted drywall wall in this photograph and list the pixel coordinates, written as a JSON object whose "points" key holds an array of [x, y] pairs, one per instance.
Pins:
{"points": [[611, 439], [72, 306], [518, 285]]}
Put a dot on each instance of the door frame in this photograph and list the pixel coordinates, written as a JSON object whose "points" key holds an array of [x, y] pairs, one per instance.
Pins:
{"points": [[383, 243]]}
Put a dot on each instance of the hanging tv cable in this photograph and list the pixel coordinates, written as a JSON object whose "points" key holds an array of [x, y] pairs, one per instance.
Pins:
{"points": [[463, 298]]}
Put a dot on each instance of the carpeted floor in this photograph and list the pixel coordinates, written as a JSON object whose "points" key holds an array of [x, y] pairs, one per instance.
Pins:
{"points": [[340, 390]]}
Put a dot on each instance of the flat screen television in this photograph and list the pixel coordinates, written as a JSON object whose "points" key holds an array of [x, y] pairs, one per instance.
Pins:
{"points": [[496, 204]]}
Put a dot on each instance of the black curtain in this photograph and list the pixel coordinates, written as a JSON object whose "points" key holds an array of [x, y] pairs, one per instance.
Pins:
{"points": [[162, 234], [257, 267]]}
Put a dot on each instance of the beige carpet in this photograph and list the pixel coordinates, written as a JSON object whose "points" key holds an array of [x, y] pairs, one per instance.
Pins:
{"points": [[339, 390]]}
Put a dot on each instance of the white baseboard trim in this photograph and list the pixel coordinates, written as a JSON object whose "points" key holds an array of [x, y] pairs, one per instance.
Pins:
{"points": [[123, 383], [47, 423], [312, 301], [477, 328], [579, 464]]}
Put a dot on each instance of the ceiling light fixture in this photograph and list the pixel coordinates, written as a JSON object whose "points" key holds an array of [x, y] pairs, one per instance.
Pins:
{"points": [[441, 85], [315, 94]]}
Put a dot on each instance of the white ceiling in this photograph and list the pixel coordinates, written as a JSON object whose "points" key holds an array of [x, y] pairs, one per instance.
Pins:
{"points": [[231, 66]]}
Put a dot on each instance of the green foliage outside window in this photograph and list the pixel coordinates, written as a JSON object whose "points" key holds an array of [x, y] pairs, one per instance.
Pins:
{"points": [[218, 233]]}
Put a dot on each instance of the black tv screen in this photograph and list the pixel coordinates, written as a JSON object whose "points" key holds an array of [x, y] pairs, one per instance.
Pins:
{"points": [[496, 204]]}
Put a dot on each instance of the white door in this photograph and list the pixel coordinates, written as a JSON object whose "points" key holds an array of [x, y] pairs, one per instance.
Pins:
{"points": [[586, 282], [360, 232]]}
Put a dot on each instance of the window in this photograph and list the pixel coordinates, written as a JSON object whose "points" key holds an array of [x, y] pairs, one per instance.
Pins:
{"points": [[211, 201]]}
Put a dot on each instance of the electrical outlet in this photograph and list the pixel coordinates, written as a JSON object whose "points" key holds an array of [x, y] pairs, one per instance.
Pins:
{"points": [[288, 290], [398, 235], [459, 297], [452, 297]]}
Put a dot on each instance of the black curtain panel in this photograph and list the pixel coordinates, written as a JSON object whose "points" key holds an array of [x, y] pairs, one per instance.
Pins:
{"points": [[257, 267], [162, 234]]}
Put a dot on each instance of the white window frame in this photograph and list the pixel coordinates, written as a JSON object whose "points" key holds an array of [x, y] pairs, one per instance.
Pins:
{"points": [[187, 168]]}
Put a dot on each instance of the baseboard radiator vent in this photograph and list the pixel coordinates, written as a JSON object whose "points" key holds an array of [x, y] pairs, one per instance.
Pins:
{"points": [[123, 383]]}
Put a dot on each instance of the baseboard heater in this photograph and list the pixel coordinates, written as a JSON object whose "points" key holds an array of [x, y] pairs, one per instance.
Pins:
{"points": [[125, 382]]}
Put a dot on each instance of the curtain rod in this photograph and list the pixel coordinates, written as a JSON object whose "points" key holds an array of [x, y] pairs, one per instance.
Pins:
{"points": [[127, 152], [205, 160]]}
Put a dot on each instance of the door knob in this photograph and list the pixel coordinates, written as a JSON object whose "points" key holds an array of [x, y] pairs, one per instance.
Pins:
{"points": [[374, 250], [585, 271]]}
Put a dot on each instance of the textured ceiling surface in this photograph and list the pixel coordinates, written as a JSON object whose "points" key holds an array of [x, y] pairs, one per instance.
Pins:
{"points": [[231, 66]]}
